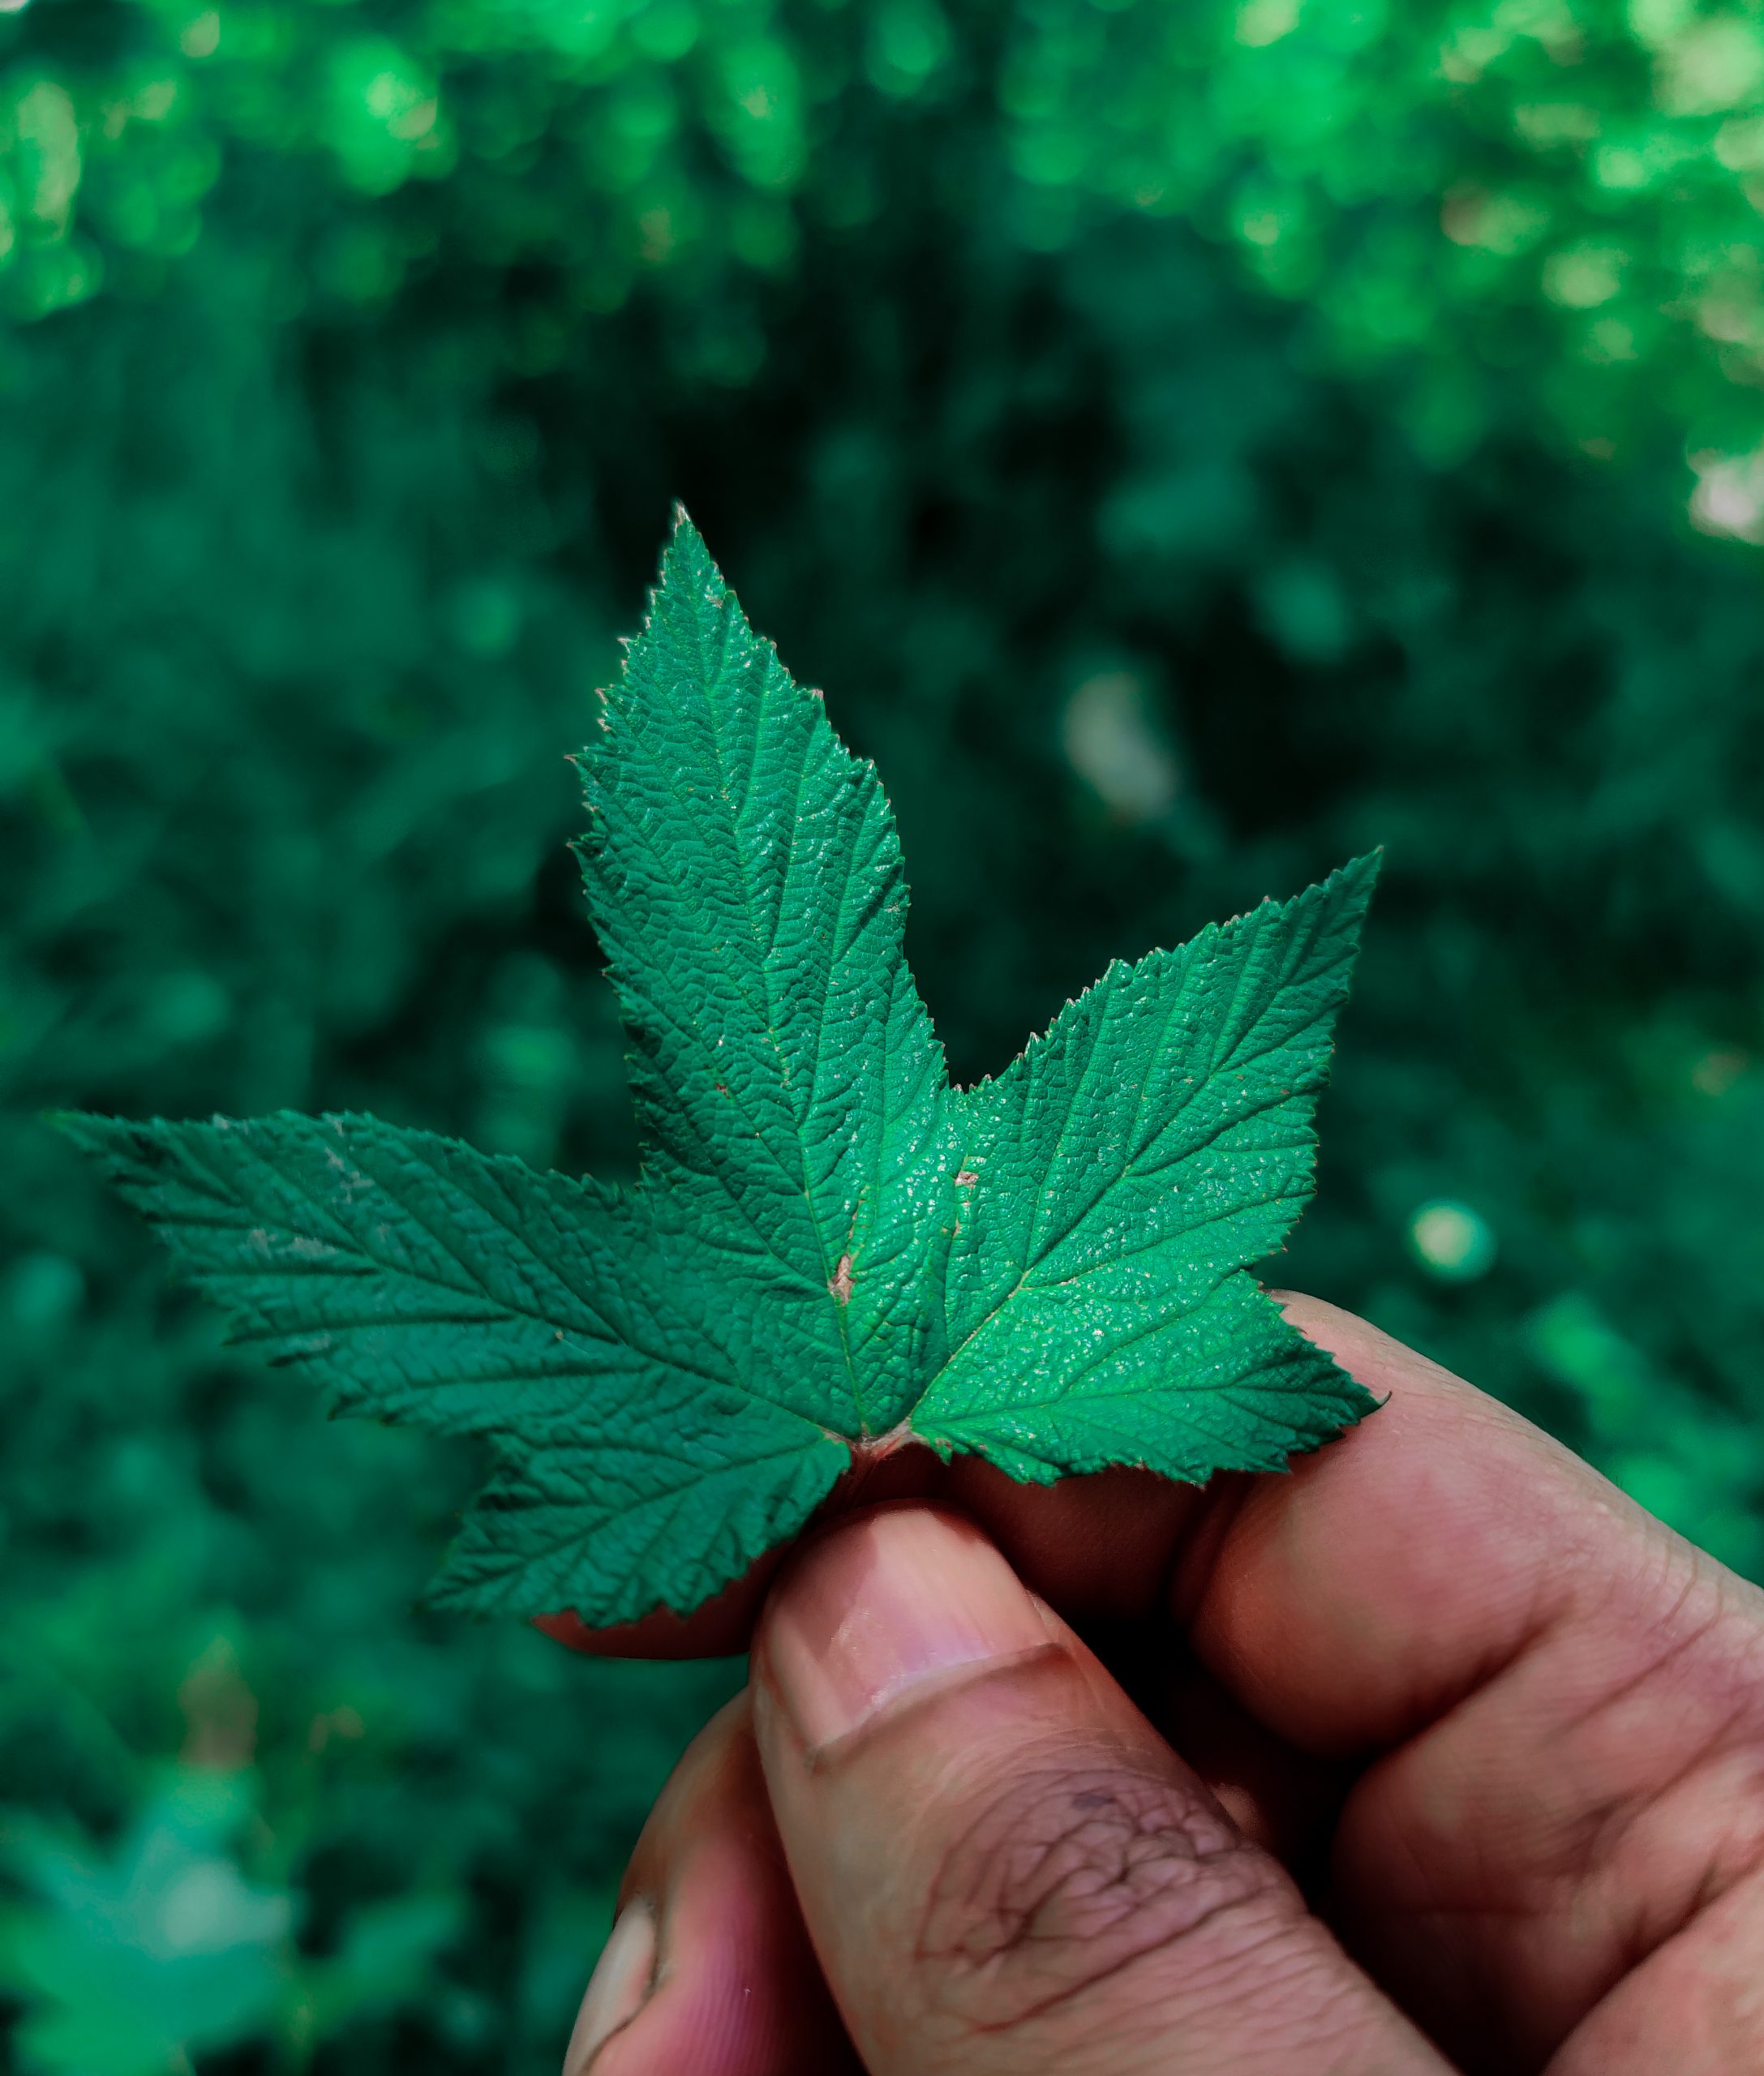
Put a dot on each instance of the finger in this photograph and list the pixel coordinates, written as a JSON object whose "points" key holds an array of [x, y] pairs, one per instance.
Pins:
{"points": [[1562, 1701], [721, 1627], [709, 1968], [1002, 1867], [1098, 1548], [1695, 2007]]}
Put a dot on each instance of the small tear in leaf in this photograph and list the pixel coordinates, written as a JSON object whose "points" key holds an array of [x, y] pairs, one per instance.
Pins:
{"points": [[840, 1283]]}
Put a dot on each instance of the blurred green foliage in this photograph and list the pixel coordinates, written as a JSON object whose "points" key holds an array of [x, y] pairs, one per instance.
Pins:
{"points": [[1190, 445]]}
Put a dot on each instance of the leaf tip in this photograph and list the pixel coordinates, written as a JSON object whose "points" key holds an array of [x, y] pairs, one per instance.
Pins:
{"points": [[105, 1139], [685, 544], [1363, 871]]}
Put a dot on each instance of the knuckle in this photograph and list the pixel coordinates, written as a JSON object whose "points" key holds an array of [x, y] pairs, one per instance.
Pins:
{"points": [[1068, 1878]]}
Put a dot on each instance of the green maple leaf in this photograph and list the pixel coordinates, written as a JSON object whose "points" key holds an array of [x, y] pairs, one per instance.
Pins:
{"points": [[831, 1250]]}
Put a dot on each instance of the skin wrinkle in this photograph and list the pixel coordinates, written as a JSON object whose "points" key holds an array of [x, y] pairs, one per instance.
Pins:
{"points": [[1607, 1825], [1670, 2012], [1243, 1956], [1068, 1876], [1730, 1861], [1374, 1786], [1596, 1838], [1649, 1672], [1272, 1973], [1729, 1873], [1430, 1709]]}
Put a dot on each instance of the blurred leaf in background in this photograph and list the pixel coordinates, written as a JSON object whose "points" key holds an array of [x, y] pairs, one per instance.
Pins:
{"points": [[132, 1963], [1191, 445]]}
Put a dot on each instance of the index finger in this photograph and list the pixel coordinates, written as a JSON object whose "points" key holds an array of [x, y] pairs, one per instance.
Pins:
{"points": [[1389, 1576], [1558, 1703]]}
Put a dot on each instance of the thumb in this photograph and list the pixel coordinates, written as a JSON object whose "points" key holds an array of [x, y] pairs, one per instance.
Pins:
{"points": [[1002, 1866]]}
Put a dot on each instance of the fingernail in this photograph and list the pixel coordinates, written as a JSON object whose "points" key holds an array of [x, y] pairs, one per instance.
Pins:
{"points": [[879, 1606], [617, 1988]]}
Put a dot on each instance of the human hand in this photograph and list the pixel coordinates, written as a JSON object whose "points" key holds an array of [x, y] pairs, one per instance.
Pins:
{"points": [[1439, 1754]]}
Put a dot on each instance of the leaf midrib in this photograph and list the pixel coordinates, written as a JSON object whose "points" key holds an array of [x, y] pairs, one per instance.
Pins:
{"points": [[775, 673]]}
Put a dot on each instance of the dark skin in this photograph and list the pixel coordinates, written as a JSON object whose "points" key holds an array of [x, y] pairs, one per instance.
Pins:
{"points": [[1437, 1754]]}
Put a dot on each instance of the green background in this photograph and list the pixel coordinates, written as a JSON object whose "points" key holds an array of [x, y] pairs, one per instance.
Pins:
{"points": [[1191, 443]]}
